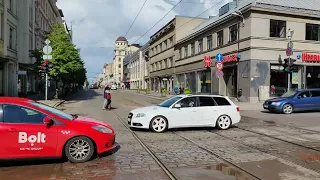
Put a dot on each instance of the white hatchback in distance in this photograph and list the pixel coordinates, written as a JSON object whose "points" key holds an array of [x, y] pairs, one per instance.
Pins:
{"points": [[184, 111]]}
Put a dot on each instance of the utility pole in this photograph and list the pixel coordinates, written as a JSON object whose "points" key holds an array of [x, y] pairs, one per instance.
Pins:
{"points": [[289, 52]]}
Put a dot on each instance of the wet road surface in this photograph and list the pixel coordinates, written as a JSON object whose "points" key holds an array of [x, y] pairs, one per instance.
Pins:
{"points": [[187, 154]]}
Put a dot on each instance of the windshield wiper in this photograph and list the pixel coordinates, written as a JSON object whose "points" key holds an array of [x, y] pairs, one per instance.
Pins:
{"points": [[74, 116]]}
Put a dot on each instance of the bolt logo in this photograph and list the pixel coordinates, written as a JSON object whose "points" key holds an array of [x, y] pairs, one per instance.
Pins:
{"points": [[39, 138]]}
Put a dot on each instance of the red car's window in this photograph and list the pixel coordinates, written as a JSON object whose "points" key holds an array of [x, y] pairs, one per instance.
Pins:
{"points": [[20, 114]]}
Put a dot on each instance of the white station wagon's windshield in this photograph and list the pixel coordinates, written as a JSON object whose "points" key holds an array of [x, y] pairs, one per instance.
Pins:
{"points": [[167, 103], [53, 111]]}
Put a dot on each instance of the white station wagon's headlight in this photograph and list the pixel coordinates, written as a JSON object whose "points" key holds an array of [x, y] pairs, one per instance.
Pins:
{"points": [[140, 115]]}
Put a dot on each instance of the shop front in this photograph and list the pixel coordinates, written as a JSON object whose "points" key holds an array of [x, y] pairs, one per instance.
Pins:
{"points": [[230, 71]]}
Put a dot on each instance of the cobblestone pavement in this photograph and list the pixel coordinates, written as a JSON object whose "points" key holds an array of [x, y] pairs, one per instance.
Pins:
{"points": [[182, 157]]}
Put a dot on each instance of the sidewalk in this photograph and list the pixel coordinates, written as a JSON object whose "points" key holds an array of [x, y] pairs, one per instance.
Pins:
{"points": [[154, 95]]}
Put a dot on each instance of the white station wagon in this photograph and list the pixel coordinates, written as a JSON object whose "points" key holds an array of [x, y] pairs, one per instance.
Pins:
{"points": [[184, 111]]}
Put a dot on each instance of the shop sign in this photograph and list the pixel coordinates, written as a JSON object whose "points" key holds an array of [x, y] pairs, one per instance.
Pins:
{"points": [[230, 58], [307, 57], [207, 61]]}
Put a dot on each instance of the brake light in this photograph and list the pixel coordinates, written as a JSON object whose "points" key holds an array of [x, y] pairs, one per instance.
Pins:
{"points": [[238, 109]]}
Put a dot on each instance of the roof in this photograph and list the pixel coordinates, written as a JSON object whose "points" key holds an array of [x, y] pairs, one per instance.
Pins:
{"points": [[13, 99], [310, 7], [121, 38]]}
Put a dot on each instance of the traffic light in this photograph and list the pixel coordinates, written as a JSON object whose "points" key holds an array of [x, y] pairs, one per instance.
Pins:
{"points": [[46, 66], [286, 65]]}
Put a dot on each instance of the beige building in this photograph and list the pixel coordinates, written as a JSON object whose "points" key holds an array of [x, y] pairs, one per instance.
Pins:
{"points": [[161, 51], [108, 73], [253, 39], [122, 48]]}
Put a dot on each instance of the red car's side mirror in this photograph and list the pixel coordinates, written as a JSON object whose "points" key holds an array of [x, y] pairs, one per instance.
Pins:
{"points": [[47, 121]]}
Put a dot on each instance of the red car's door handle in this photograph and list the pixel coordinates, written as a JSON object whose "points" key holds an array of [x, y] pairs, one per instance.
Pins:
{"points": [[12, 130]]}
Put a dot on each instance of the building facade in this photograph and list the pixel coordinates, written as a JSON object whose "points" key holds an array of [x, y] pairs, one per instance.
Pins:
{"points": [[108, 74], [126, 72], [122, 48], [253, 38], [161, 51]]}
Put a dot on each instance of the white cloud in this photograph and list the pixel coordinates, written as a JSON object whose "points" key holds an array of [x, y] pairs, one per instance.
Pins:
{"points": [[98, 23]]}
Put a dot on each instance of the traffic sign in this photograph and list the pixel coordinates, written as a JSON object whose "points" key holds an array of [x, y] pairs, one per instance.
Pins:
{"points": [[290, 45], [47, 57], [289, 51], [219, 74], [219, 66], [47, 41], [219, 57], [47, 49]]}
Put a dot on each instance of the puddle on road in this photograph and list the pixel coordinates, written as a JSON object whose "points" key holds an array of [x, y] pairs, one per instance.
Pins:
{"points": [[229, 171]]}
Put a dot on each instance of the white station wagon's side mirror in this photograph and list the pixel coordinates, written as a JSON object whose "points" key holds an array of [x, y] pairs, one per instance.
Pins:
{"points": [[178, 106]]}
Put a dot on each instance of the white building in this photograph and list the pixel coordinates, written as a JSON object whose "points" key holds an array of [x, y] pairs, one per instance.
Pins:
{"points": [[138, 68], [121, 50]]}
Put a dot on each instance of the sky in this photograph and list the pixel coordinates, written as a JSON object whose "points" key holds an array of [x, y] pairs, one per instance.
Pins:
{"points": [[96, 24]]}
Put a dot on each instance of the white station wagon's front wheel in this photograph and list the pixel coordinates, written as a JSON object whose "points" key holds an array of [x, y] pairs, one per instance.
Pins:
{"points": [[223, 122], [159, 124]]}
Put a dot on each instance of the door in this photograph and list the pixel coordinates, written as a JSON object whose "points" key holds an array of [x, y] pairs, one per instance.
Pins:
{"points": [[315, 99], [302, 101], [207, 111], [186, 116], [27, 135]]}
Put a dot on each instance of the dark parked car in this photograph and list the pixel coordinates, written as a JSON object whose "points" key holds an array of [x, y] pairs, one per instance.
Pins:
{"points": [[93, 86], [293, 101]]}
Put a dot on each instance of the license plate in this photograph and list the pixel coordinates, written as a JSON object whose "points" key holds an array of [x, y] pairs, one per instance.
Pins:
{"points": [[266, 106]]}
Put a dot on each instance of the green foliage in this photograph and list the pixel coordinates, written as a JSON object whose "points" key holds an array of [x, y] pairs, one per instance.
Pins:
{"points": [[87, 83], [67, 63]]}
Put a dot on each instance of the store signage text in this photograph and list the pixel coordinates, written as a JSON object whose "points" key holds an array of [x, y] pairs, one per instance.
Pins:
{"points": [[207, 61], [306, 57], [230, 58]]}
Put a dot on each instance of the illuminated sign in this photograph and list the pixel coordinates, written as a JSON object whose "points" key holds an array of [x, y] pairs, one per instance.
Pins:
{"points": [[307, 57], [230, 58], [207, 61]]}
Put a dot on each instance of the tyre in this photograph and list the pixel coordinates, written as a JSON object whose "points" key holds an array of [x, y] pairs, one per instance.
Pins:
{"points": [[79, 149], [223, 122], [159, 124], [287, 109]]}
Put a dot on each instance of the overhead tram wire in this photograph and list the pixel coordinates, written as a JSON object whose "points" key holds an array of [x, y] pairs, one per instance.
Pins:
{"points": [[135, 18], [177, 29], [157, 22]]}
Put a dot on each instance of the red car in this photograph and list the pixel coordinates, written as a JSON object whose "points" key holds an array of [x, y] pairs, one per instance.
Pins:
{"points": [[29, 129]]}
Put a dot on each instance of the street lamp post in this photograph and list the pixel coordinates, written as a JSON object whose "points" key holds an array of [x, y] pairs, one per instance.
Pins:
{"points": [[290, 45]]}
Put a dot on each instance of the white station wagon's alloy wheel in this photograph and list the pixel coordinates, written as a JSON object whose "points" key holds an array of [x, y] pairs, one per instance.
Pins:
{"points": [[159, 124], [79, 149], [223, 122], [287, 109]]}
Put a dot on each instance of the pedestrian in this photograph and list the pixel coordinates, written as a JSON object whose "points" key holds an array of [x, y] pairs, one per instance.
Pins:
{"points": [[107, 103], [104, 97]]}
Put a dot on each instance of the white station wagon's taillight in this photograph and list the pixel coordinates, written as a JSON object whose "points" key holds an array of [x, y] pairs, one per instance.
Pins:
{"points": [[238, 109]]}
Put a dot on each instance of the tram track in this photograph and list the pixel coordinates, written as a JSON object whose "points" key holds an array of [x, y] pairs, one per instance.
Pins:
{"points": [[167, 170]]}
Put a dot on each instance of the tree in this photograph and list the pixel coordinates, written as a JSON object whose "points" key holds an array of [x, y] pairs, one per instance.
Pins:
{"points": [[67, 63]]}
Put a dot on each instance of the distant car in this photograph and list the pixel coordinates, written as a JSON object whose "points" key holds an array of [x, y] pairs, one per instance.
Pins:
{"points": [[294, 101], [183, 111], [114, 87], [92, 86], [33, 130]]}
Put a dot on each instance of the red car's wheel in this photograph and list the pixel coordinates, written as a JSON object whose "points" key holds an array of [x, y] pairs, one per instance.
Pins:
{"points": [[79, 149]]}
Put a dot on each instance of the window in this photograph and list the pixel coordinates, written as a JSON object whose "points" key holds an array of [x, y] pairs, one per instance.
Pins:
{"points": [[192, 49], [119, 65], [315, 93], [11, 38], [170, 41], [221, 101], [54, 111], [167, 103], [304, 94], [188, 102], [200, 46], [165, 45], [171, 61], [313, 32], [119, 59], [233, 30], [160, 47], [11, 5], [220, 38], [277, 28], [186, 51], [19, 114], [206, 101], [209, 42], [180, 53]]}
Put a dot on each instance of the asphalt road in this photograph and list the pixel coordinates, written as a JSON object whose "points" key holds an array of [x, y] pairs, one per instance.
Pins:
{"points": [[252, 150]]}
